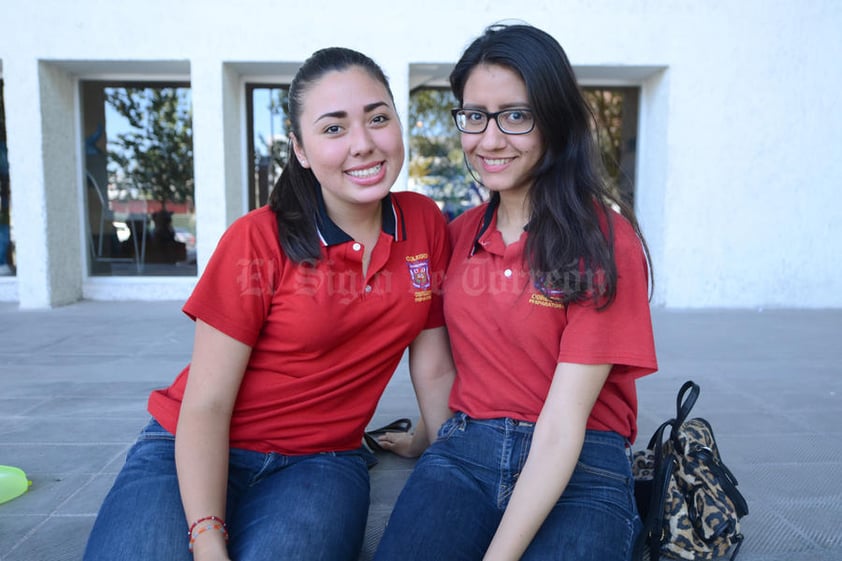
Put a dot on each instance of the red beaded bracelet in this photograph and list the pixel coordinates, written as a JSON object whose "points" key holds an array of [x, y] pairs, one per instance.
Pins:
{"points": [[212, 523]]}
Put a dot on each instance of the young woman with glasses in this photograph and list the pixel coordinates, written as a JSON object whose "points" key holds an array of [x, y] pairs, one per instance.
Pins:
{"points": [[547, 307]]}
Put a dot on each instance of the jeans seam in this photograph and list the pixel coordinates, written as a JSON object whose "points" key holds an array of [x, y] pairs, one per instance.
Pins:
{"points": [[618, 477]]}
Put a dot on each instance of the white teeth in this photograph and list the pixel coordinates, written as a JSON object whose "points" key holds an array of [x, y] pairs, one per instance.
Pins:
{"points": [[497, 162], [362, 173]]}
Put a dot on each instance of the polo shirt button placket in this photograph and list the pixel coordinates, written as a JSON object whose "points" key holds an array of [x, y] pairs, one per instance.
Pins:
{"points": [[357, 246]]}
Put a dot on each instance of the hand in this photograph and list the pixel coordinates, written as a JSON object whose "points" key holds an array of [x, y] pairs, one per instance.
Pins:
{"points": [[404, 444]]}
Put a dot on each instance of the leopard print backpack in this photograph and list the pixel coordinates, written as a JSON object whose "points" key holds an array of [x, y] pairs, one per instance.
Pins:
{"points": [[687, 498]]}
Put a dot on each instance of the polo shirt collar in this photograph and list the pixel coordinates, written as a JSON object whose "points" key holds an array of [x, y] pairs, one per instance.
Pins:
{"points": [[487, 219], [331, 234]]}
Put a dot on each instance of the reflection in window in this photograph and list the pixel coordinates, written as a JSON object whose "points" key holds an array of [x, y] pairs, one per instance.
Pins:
{"points": [[268, 138], [615, 112], [7, 253], [436, 164], [139, 178]]}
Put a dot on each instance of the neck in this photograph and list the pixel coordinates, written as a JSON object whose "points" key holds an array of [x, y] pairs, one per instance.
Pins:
{"points": [[361, 222], [512, 215]]}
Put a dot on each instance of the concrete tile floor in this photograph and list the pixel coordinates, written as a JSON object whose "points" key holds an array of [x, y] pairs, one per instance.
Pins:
{"points": [[74, 382]]}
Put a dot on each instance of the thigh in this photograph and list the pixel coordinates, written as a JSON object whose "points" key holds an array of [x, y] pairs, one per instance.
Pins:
{"points": [[595, 519], [443, 512], [309, 509], [143, 502]]}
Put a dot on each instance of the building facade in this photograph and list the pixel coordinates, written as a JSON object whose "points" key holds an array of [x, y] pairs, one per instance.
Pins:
{"points": [[738, 144]]}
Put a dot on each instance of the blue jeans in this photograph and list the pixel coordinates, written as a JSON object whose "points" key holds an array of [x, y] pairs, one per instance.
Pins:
{"points": [[454, 499], [310, 507]]}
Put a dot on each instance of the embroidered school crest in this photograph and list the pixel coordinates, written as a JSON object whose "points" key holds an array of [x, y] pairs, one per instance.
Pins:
{"points": [[419, 274], [546, 295]]}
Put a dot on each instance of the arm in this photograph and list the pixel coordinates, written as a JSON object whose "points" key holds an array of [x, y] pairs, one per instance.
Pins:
{"points": [[201, 444], [432, 371], [556, 445]]}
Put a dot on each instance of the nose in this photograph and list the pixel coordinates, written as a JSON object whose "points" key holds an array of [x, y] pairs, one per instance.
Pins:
{"points": [[492, 137], [362, 142]]}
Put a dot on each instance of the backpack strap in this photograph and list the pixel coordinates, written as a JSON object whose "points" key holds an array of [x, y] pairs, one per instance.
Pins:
{"points": [[651, 534], [683, 404]]}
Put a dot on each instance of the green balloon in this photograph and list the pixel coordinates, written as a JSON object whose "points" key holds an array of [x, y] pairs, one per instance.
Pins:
{"points": [[13, 483]]}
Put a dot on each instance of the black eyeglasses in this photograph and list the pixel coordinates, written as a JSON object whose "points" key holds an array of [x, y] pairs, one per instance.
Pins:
{"points": [[509, 121]]}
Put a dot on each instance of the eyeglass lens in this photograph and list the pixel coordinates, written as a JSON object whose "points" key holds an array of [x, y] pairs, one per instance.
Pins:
{"points": [[510, 121]]}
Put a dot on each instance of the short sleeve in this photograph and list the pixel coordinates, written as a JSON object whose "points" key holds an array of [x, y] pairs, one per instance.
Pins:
{"points": [[234, 293], [620, 334]]}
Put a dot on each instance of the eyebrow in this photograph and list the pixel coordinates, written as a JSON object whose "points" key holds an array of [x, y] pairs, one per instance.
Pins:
{"points": [[344, 114], [504, 107]]}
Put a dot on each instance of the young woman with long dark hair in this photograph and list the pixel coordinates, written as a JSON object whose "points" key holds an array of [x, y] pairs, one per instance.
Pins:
{"points": [[547, 307]]}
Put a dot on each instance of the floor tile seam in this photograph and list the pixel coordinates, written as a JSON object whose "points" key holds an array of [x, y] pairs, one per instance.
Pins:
{"points": [[55, 515], [673, 356], [834, 501], [799, 463], [50, 400], [775, 434], [763, 402], [27, 412], [74, 416], [91, 479], [65, 444], [32, 532], [27, 356], [798, 531]]}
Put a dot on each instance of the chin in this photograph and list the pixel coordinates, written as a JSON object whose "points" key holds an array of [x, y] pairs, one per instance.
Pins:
{"points": [[372, 193]]}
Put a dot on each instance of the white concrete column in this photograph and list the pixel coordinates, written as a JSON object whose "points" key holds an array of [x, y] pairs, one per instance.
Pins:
{"points": [[653, 156], [43, 164], [218, 153]]}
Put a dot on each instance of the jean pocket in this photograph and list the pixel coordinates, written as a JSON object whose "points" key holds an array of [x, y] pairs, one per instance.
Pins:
{"points": [[450, 426], [601, 472]]}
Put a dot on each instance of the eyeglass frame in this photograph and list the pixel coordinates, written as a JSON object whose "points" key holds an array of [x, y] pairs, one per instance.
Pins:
{"points": [[488, 118]]}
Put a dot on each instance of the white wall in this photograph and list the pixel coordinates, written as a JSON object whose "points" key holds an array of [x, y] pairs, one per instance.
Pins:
{"points": [[740, 149]]}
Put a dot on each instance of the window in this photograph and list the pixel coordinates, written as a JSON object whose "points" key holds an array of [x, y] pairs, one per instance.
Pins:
{"points": [[138, 149], [268, 138], [615, 111], [7, 254], [436, 163]]}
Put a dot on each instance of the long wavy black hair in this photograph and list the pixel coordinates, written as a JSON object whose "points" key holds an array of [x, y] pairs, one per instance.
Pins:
{"points": [[569, 255], [294, 197]]}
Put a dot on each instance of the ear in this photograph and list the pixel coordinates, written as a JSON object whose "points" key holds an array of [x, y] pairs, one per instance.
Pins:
{"points": [[299, 151]]}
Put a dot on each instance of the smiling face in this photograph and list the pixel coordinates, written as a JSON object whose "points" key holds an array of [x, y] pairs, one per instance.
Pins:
{"points": [[350, 137], [504, 162]]}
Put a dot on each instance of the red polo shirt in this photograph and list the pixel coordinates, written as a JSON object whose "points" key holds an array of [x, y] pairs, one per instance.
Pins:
{"points": [[325, 340], [507, 338]]}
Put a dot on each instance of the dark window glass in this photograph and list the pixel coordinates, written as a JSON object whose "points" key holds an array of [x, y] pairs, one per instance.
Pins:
{"points": [[268, 138], [138, 145], [7, 251], [615, 111]]}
